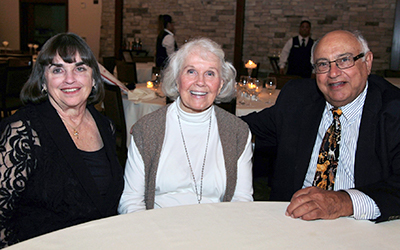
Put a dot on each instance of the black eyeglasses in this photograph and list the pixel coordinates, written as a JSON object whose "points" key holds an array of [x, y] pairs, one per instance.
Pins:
{"points": [[345, 62]]}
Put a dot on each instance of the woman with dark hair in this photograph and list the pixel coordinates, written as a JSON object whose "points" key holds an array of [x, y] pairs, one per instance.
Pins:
{"points": [[190, 151], [58, 164]]}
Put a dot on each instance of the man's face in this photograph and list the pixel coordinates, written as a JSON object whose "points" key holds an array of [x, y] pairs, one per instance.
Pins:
{"points": [[171, 27], [304, 30], [342, 86]]}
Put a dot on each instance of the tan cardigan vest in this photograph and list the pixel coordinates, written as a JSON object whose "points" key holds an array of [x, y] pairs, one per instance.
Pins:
{"points": [[233, 133]]}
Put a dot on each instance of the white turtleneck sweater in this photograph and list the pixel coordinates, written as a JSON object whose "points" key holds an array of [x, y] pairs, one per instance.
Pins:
{"points": [[174, 181]]}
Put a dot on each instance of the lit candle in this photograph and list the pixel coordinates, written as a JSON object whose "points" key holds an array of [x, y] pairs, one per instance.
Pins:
{"points": [[252, 86], [250, 65], [149, 84]]}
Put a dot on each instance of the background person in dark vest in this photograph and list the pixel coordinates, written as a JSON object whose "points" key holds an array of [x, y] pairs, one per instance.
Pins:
{"points": [[166, 44], [297, 52]]}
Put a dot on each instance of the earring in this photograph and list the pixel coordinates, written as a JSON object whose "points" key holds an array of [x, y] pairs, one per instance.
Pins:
{"points": [[44, 90], [94, 85]]}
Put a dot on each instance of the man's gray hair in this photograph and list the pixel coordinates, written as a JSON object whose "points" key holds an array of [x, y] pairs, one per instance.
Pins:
{"points": [[357, 34]]}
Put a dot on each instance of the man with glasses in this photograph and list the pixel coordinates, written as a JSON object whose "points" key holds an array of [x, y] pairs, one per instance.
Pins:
{"points": [[337, 138]]}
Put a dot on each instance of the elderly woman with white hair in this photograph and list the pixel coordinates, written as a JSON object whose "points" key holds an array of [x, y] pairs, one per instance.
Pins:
{"points": [[191, 151]]}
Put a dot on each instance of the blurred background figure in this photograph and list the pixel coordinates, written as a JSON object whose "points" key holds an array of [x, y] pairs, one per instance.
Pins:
{"points": [[296, 53], [166, 44], [58, 163]]}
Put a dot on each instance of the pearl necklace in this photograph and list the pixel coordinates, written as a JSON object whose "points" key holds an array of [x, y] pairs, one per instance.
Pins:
{"points": [[199, 196]]}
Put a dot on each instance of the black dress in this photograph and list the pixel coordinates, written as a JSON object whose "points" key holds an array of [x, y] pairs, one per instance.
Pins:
{"points": [[45, 184]]}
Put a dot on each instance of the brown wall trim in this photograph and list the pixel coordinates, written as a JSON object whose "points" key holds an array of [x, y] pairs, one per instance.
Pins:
{"points": [[119, 7], [239, 30]]}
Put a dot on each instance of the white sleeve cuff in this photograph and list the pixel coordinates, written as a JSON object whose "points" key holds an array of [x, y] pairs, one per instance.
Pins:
{"points": [[364, 208]]}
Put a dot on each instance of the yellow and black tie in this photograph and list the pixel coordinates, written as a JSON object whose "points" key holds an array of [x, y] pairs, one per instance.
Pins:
{"points": [[328, 157]]}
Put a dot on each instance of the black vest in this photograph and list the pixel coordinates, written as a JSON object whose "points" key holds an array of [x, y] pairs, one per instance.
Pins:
{"points": [[299, 59], [161, 52]]}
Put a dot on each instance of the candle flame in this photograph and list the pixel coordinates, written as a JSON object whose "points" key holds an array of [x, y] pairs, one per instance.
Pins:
{"points": [[250, 65]]}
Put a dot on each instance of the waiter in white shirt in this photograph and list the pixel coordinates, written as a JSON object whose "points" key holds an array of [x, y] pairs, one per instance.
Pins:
{"points": [[297, 52], [166, 44]]}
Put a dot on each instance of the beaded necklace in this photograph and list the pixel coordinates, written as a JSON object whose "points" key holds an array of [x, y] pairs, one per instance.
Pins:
{"points": [[199, 196]]}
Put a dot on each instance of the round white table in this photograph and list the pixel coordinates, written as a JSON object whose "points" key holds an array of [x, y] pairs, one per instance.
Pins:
{"points": [[252, 225]]}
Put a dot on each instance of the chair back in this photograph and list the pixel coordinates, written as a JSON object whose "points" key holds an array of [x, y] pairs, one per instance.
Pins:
{"points": [[3, 76], [3, 85], [17, 75], [13, 75], [228, 106], [274, 60], [109, 63], [156, 70], [113, 109], [20, 61], [281, 80], [126, 71]]}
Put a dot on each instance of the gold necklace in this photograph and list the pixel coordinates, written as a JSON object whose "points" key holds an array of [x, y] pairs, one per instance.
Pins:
{"points": [[76, 132]]}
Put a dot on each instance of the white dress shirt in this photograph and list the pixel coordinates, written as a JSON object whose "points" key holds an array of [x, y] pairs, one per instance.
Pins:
{"points": [[283, 58], [169, 42], [174, 181], [363, 206]]}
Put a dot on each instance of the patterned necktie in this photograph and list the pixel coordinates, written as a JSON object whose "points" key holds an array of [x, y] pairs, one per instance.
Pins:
{"points": [[303, 42], [328, 157]]}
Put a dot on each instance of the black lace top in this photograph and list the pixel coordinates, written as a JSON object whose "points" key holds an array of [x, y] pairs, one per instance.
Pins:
{"points": [[45, 184]]}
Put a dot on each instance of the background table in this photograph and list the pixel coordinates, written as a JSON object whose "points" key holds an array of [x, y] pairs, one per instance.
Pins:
{"points": [[134, 111], [244, 109], [394, 80], [144, 71], [258, 225]]}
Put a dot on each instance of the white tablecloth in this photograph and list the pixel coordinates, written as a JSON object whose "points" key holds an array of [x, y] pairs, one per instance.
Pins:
{"points": [[248, 107], [258, 225], [134, 111], [394, 80]]}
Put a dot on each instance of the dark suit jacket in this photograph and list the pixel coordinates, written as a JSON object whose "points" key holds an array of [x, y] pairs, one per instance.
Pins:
{"points": [[291, 127], [57, 190]]}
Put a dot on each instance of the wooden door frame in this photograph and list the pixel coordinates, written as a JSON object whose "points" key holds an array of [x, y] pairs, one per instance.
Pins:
{"points": [[239, 32], [119, 8]]}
